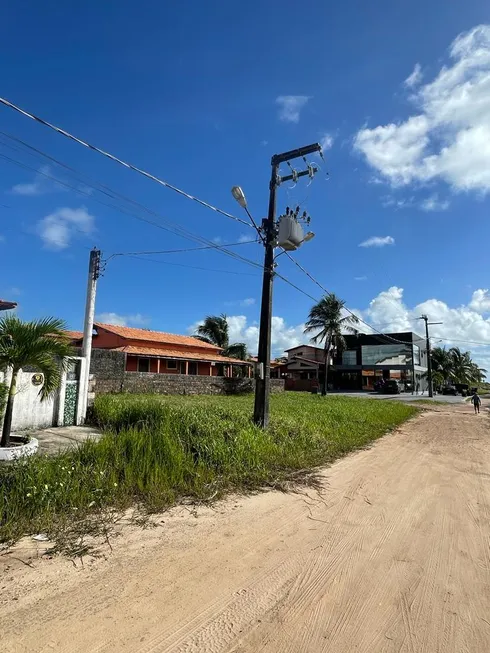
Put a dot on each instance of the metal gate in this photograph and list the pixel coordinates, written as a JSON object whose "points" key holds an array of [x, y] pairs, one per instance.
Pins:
{"points": [[71, 394]]}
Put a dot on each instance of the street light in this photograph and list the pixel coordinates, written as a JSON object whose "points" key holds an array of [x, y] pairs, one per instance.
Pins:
{"points": [[308, 236], [239, 195]]}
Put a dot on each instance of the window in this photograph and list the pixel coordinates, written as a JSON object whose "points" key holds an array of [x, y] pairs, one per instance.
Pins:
{"points": [[349, 357], [193, 368], [387, 354], [171, 365], [416, 355], [182, 367], [143, 364]]}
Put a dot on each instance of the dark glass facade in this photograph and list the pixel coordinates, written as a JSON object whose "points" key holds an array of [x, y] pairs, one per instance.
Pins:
{"points": [[397, 354]]}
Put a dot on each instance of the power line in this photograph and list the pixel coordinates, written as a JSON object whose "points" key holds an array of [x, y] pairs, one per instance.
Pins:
{"points": [[130, 166], [178, 251], [466, 342], [192, 267], [328, 292], [173, 228]]}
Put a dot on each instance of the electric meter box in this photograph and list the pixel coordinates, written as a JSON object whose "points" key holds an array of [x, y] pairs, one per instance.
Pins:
{"points": [[290, 233]]}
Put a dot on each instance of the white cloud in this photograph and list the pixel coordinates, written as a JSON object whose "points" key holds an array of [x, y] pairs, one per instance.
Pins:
{"points": [[245, 238], [248, 301], [41, 185], [327, 142], [135, 320], [283, 336], [378, 241], [480, 301], [58, 228], [433, 203], [461, 326], [415, 77], [448, 138], [290, 106], [364, 278]]}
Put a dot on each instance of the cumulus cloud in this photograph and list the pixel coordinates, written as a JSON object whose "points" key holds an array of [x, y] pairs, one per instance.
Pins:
{"points": [[448, 137], [41, 184], [433, 203], [415, 76], [480, 301], [290, 106], [327, 142], [378, 241], [462, 326], [248, 301], [58, 228], [135, 319]]}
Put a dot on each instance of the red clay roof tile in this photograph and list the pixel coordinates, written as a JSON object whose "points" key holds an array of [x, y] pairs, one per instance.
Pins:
{"points": [[155, 336]]}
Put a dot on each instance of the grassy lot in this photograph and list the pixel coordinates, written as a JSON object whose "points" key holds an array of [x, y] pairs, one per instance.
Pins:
{"points": [[157, 450]]}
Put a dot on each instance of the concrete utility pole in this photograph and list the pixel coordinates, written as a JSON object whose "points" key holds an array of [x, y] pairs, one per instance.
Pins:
{"points": [[269, 232], [88, 327], [429, 361]]}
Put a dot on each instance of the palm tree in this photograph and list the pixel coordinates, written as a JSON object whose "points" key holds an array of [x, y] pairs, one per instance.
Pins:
{"points": [[325, 318], [214, 330], [42, 344], [442, 365], [461, 365]]}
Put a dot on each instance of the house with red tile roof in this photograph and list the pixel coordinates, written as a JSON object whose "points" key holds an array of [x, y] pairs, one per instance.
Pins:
{"points": [[160, 353]]}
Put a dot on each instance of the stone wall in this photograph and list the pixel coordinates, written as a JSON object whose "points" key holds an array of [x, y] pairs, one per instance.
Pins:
{"points": [[107, 369]]}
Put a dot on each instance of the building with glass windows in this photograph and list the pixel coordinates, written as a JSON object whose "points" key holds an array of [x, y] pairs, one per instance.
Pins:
{"points": [[370, 358], [365, 360]]}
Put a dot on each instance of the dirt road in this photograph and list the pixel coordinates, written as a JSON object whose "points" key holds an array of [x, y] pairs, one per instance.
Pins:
{"points": [[393, 556]]}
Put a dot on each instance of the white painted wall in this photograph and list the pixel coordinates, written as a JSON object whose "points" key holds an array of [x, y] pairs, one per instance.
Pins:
{"points": [[29, 411]]}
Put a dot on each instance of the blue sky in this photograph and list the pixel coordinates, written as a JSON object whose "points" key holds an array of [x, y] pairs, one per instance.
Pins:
{"points": [[202, 97]]}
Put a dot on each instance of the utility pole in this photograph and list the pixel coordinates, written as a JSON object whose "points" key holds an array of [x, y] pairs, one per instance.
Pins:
{"points": [[262, 382], [429, 361], [88, 327]]}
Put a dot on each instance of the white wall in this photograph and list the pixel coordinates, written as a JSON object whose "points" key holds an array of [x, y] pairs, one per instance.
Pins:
{"points": [[29, 411]]}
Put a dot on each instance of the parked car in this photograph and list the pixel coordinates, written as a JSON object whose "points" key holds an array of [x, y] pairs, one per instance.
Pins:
{"points": [[450, 390], [390, 387]]}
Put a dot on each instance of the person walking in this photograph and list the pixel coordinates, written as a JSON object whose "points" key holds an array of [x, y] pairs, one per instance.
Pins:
{"points": [[476, 401]]}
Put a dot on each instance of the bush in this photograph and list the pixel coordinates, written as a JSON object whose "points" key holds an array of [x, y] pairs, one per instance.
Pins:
{"points": [[156, 450]]}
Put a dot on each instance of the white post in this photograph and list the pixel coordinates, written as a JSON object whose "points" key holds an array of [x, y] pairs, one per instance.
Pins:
{"points": [[88, 327]]}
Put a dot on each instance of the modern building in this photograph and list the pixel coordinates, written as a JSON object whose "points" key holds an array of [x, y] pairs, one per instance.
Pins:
{"points": [[162, 353], [366, 359]]}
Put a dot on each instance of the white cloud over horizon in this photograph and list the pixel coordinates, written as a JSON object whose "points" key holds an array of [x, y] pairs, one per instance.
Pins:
{"points": [[134, 320], [461, 326], [378, 241], [448, 136], [290, 106]]}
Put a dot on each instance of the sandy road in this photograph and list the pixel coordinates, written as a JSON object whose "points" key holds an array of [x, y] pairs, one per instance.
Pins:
{"points": [[393, 556]]}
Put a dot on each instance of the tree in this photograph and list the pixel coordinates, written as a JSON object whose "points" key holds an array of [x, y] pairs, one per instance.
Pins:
{"points": [[453, 365], [326, 320], [442, 365], [42, 344], [215, 330]]}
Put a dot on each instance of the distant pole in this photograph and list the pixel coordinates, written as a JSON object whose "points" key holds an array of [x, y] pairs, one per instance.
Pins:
{"points": [[262, 382], [429, 360], [88, 327]]}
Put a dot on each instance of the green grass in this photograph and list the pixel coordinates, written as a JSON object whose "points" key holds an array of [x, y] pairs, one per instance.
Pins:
{"points": [[157, 450]]}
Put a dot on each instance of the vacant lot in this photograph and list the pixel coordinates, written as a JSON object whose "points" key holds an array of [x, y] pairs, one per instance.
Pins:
{"points": [[390, 557], [158, 450]]}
